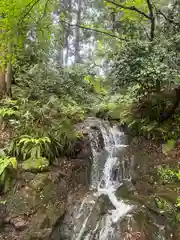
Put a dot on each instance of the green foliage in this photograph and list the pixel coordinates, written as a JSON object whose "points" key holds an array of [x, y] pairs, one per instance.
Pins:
{"points": [[141, 113], [6, 165], [96, 84], [131, 15], [170, 145], [7, 112], [118, 106], [150, 64], [163, 204], [30, 147], [35, 164], [44, 128], [167, 174], [178, 203], [8, 109], [140, 62], [17, 17], [53, 95]]}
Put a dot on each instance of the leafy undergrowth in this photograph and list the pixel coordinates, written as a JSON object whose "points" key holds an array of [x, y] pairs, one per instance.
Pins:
{"points": [[35, 133], [141, 113]]}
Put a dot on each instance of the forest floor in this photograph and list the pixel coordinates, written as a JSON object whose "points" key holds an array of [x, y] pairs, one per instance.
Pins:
{"points": [[156, 180]]}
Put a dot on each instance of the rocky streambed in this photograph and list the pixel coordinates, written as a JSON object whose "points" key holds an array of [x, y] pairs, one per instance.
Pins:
{"points": [[43, 205]]}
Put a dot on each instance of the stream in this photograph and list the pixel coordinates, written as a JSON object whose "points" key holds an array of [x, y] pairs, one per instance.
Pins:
{"points": [[109, 170], [102, 214]]}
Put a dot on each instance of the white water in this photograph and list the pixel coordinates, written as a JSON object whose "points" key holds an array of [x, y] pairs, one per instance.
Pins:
{"points": [[109, 186], [104, 183]]}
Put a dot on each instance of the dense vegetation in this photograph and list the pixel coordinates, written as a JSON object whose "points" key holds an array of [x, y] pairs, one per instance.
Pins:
{"points": [[61, 61]]}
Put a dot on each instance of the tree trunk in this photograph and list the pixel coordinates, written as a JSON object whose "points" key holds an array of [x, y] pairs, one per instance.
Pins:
{"points": [[2, 75], [9, 75], [2, 82], [77, 40], [68, 29]]}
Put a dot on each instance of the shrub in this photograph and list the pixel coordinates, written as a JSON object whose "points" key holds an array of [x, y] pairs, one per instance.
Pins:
{"points": [[6, 165], [42, 128], [30, 147]]}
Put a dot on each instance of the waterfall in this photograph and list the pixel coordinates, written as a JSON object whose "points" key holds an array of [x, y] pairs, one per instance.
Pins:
{"points": [[102, 214], [109, 169]]}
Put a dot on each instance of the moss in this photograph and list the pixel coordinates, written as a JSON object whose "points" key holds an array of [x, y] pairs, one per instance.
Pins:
{"points": [[39, 202], [41, 234], [38, 164], [22, 202], [55, 211], [39, 181]]}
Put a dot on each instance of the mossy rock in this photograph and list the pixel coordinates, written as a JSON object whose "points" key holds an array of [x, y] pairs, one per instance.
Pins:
{"points": [[26, 177], [39, 181], [40, 203], [55, 212], [48, 216], [167, 194], [143, 223], [22, 202], [164, 205], [38, 192], [38, 164], [41, 234]]}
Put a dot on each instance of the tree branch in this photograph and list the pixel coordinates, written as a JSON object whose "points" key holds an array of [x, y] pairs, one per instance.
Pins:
{"points": [[147, 34], [45, 9], [92, 29], [168, 19], [152, 19], [131, 8], [29, 7]]}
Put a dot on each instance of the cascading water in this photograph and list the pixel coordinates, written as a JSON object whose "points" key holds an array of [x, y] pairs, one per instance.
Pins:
{"points": [[102, 214], [107, 175]]}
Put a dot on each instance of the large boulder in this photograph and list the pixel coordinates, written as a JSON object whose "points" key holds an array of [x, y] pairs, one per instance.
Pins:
{"points": [[32, 208]]}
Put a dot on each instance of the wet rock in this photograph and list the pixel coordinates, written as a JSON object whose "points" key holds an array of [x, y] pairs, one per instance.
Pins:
{"points": [[82, 176], [139, 165], [139, 226], [41, 234], [33, 209], [129, 185], [40, 220], [105, 204], [64, 226], [82, 148], [90, 130], [19, 223]]}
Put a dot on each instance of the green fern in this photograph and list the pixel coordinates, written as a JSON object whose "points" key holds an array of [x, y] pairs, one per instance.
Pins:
{"points": [[6, 163], [7, 112], [30, 147]]}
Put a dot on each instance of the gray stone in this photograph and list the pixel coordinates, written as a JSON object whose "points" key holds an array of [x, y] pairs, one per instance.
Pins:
{"points": [[19, 223]]}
